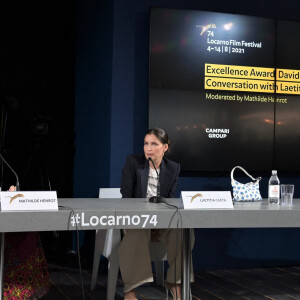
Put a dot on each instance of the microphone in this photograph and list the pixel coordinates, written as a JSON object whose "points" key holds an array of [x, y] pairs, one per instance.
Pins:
{"points": [[157, 198], [17, 183]]}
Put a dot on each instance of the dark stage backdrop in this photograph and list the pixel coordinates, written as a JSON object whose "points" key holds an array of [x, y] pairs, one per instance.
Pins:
{"points": [[37, 57], [37, 92]]}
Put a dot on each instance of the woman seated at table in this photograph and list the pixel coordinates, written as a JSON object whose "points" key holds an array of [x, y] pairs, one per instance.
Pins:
{"points": [[139, 180], [25, 269]]}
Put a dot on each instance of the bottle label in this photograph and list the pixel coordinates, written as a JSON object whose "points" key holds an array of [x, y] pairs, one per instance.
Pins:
{"points": [[273, 191]]}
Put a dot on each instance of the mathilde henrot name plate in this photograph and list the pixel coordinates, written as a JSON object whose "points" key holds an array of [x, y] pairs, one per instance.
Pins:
{"points": [[28, 200], [204, 200]]}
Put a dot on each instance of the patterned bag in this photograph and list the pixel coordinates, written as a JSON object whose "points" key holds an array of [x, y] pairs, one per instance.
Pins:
{"points": [[245, 191]]}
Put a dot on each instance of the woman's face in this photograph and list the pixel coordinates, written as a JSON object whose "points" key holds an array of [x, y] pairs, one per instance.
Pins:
{"points": [[154, 148]]}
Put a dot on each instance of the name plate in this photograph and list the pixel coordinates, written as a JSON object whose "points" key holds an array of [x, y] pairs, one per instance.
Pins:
{"points": [[198, 200], [28, 200]]}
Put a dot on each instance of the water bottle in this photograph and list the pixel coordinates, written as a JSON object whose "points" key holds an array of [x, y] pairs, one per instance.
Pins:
{"points": [[274, 188]]}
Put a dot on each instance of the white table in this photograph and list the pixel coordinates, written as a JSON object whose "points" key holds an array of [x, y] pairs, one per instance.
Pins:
{"points": [[95, 213]]}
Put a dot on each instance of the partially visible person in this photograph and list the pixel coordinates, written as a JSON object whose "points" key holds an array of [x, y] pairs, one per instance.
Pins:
{"points": [[26, 273], [140, 180]]}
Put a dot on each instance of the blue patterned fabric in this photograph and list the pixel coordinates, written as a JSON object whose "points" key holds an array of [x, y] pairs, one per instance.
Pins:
{"points": [[245, 191]]}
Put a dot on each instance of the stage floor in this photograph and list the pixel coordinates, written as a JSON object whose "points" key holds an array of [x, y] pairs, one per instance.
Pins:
{"points": [[270, 283]]}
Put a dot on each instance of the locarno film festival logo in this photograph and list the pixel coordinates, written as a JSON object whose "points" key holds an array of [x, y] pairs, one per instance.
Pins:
{"points": [[14, 197]]}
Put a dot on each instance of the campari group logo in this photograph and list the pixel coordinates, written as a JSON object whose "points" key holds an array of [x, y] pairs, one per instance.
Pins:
{"points": [[217, 133]]}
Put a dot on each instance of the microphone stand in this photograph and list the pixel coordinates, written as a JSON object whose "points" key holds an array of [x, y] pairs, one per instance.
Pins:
{"points": [[17, 178], [157, 198]]}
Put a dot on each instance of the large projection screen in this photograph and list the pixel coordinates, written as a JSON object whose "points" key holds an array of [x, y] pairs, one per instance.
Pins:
{"points": [[224, 88]]}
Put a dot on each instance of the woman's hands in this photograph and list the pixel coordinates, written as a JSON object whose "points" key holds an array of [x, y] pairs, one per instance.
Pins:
{"points": [[12, 188]]}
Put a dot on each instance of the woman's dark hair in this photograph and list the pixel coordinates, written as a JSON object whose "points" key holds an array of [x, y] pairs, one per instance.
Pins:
{"points": [[161, 135]]}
